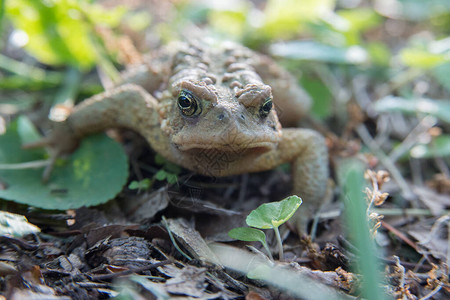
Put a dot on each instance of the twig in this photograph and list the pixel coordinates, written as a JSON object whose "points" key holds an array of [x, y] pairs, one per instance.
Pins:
{"points": [[400, 235], [127, 272], [18, 242], [411, 139], [432, 293], [406, 211], [384, 159]]}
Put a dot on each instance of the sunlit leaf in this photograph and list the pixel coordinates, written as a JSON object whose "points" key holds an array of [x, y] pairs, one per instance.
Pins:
{"points": [[438, 108], [283, 18], [360, 19], [420, 58], [59, 31], [270, 215], [84, 179]]}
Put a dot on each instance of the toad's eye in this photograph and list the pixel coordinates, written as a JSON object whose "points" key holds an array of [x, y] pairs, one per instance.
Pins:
{"points": [[265, 108], [188, 104]]}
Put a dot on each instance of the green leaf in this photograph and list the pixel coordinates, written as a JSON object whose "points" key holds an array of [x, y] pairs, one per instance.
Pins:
{"points": [[314, 51], [285, 18], [60, 31], [360, 19], [438, 147], [161, 175], [172, 178], [15, 225], [247, 234], [438, 108], [84, 179], [270, 215], [322, 104], [144, 184]]}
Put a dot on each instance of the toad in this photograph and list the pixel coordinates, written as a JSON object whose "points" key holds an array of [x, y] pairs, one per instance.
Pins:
{"points": [[210, 108]]}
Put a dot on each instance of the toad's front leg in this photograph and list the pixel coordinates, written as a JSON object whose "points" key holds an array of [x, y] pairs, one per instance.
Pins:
{"points": [[128, 106]]}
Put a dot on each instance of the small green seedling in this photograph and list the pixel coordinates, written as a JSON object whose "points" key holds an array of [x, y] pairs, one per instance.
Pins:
{"points": [[169, 170], [144, 184], [267, 216], [248, 234]]}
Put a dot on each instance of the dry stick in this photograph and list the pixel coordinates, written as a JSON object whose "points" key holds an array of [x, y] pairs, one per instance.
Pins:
{"points": [[384, 159], [400, 235]]}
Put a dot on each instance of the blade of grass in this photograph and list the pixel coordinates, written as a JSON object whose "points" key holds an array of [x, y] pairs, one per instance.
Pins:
{"points": [[30, 72], [351, 179]]}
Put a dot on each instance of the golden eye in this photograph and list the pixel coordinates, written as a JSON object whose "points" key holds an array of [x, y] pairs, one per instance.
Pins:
{"points": [[265, 108], [188, 104]]}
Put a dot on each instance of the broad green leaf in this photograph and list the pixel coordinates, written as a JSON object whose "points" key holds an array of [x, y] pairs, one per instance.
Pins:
{"points": [[92, 175], [247, 234], [438, 108], [311, 50], [438, 147], [270, 215], [15, 225]]}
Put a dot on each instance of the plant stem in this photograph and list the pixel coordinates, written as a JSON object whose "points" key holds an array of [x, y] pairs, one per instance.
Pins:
{"points": [[280, 244], [268, 251]]}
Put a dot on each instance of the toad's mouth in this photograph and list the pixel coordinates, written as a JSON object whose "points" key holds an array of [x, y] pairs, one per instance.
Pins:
{"points": [[238, 148]]}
